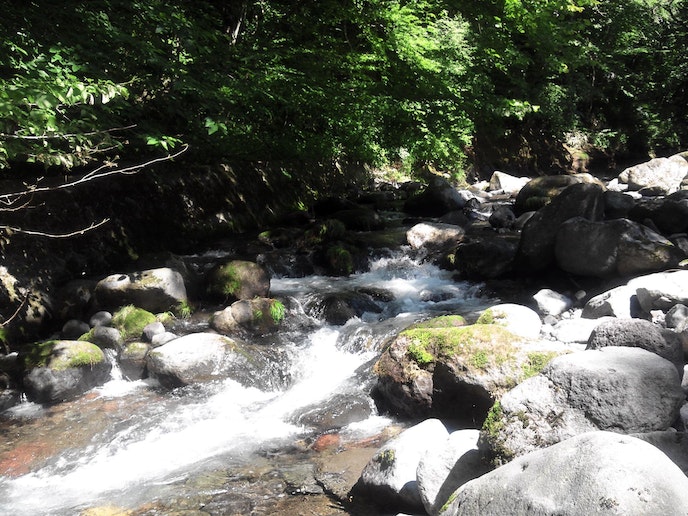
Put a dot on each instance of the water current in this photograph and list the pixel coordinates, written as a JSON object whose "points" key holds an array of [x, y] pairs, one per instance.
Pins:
{"points": [[128, 444]]}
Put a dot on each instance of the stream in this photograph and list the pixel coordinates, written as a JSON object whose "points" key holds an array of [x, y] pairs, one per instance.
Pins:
{"points": [[223, 448]]}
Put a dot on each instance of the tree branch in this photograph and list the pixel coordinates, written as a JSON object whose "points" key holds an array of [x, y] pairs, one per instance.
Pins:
{"points": [[63, 135], [78, 232], [9, 198]]}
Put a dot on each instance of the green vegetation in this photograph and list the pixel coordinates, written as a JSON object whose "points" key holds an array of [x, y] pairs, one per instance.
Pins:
{"points": [[386, 458], [494, 422], [479, 346], [131, 321], [399, 84], [277, 311], [537, 362], [55, 355]]}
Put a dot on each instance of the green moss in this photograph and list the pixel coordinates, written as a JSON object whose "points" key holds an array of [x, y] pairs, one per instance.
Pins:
{"points": [[480, 346], [340, 259], [419, 354], [88, 336], [443, 321], [494, 421], [45, 354], [537, 361], [229, 279], [277, 311], [487, 317], [131, 321]]}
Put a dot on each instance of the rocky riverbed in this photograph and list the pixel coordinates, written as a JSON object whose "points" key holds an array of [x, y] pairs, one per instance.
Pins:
{"points": [[404, 350]]}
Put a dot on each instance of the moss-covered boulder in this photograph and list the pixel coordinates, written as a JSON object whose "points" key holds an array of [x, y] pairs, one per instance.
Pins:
{"points": [[238, 279], [132, 360], [131, 321], [156, 290], [259, 315], [444, 369], [60, 370]]}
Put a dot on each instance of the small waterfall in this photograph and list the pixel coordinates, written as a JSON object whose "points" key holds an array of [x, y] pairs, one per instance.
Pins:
{"points": [[153, 440]]}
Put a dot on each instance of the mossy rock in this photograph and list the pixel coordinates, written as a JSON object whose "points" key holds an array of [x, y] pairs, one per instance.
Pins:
{"points": [[131, 321], [238, 279], [59, 355]]}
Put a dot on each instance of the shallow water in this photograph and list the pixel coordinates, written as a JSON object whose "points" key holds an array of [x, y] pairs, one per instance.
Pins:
{"points": [[131, 444]]}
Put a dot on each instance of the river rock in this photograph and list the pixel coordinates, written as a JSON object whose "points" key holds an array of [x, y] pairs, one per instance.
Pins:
{"points": [[446, 466], [437, 199], [550, 302], [63, 370], [662, 290], [431, 369], [612, 248], [155, 290], [594, 473], [434, 235], [485, 257], [238, 279], [359, 219], [106, 337], [389, 478], [540, 191], [507, 183], [517, 319], [617, 302], [673, 444], [672, 215], [132, 360], [100, 318], [73, 329], [537, 244], [160, 339], [337, 308], [576, 330], [638, 333], [502, 217], [665, 173], [617, 205], [152, 329], [194, 358], [615, 388]]}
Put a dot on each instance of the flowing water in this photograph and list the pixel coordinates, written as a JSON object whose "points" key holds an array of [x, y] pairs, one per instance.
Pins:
{"points": [[132, 445]]}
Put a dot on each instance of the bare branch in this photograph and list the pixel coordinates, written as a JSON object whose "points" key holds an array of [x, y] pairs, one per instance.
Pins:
{"points": [[93, 175], [56, 235], [16, 312], [63, 135]]}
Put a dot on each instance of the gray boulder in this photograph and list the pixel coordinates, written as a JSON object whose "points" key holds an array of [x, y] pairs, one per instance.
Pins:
{"points": [[540, 191], [673, 444], [664, 173], [434, 235], [389, 478], [155, 290], [618, 302], [537, 244], [106, 337], [132, 360], [507, 183], [612, 248], [550, 302], [637, 333], [615, 388], [577, 330], [486, 257], [437, 199], [662, 290], [73, 329], [446, 466], [594, 473]]}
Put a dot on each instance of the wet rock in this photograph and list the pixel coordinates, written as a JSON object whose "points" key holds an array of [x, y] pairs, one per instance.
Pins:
{"points": [[62, 370], [132, 360], [594, 473], [100, 318], [155, 290], [339, 307], [615, 388], [152, 329], [540, 191], [106, 337], [73, 329]]}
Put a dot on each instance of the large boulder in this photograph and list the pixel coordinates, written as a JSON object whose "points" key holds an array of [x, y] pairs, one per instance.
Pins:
{"points": [[619, 302], [501, 182], [615, 388], [662, 290], [536, 247], [196, 358], [452, 371], [61, 370], [540, 191], [594, 473], [446, 466], [664, 173], [238, 279], [155, 290], [617, 247], [389, 478], [518, 319]]}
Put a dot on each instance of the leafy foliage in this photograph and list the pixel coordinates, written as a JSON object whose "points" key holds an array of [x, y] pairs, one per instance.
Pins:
{"points": [[418, 81]]}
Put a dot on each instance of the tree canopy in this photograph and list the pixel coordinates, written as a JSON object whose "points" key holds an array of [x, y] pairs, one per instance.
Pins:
{"points": [[507, 82]]}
